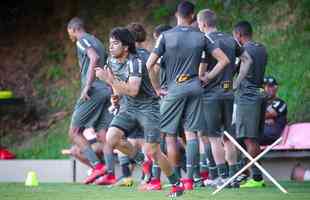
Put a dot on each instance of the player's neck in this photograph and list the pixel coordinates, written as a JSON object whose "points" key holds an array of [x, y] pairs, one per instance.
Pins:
{"points": [[140, 45], [245, 40], [80, 34], [183, 22], [211, 30], [122, 58]]}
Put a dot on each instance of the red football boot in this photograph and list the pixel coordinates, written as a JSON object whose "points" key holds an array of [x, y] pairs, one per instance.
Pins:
{"points": [[204, 175], [188, 183], [176, 190], [98, 171], [147, 170], [154, 184], [6, 154], [108, 179]]}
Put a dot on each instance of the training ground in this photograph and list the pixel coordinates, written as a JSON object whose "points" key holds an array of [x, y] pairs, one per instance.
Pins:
{"points": [[56, 181], [69, 191]]}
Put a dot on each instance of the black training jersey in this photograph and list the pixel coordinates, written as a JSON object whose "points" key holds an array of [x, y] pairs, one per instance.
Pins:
{"points": [[85, 42], [280, 107], [250, 88], [221, 85], [182, 48], [134, 66]]}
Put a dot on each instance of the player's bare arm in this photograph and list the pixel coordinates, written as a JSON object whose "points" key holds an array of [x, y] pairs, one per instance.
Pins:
{"points": [[153, 70], [222, 62], [93, 57], [246, 62], [130, 88], [271, 113], [202, 72]]}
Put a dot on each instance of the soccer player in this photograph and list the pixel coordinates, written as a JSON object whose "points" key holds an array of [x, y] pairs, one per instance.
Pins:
{"points": [[275, 115], [142, 108], [136, 138], [91, 109], [139, 34], [249, 97], [218, 97], [182, 48], [173, 146]]}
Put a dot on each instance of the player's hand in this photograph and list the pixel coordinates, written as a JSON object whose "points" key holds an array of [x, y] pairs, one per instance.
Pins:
{"points": [[84, 94], [205, 79], [104, 74], [115, 100], [162, 92]]}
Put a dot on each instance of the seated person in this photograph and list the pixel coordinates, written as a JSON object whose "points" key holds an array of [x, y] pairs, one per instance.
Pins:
{"points": [[276, 112]]}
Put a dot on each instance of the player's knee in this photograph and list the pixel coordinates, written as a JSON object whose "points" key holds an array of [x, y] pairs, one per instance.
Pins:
{"points": [[101, 137], [73, 132], [75, 151], [152, 150], [113, 137]]}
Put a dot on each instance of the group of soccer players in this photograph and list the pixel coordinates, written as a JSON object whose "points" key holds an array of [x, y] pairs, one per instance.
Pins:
{"points": [[169, 107]]}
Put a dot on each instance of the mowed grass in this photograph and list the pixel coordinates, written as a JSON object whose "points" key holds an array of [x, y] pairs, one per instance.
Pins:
{"points": [[16, 191]]}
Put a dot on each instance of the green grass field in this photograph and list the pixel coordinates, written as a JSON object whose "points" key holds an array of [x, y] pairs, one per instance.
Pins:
{"points": [[16, 191]]}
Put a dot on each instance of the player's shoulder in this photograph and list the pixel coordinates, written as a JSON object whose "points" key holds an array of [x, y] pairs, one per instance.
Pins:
{"points": [[210, 37], [254, 44], [86, 41], [278, 100], [143, 52], [278, 103], [135, 58]]}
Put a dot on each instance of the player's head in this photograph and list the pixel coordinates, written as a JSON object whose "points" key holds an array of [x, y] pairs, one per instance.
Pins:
{"points": [[186, 10], [206, 19], [121, 42], [160, 29], [270, 86], [243, 31], [138, 32], [74, 27]]}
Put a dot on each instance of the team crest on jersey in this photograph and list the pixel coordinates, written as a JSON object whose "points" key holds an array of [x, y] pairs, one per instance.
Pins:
{"points": [[182, 78]]}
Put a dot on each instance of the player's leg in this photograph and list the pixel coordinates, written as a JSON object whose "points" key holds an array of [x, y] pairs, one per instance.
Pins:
{"points": [[203, 164], [213, 120], [92, 158], [171, 110], [150, 120], [173, 154], [247, 128], [108, 156], [231, 154], [193, 123]]}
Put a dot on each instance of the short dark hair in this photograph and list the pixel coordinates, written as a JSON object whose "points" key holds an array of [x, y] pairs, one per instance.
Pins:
{"points": [[244, 28], [123, 34], [161, 28], [186, 9], [138, 32], [75, 23], [208, 16]]}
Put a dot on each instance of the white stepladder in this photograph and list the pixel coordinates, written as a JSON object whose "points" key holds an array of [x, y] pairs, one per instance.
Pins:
{"points": [[252, 161]]}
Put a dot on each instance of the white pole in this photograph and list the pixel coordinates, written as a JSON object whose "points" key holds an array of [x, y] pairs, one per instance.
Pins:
{"points": [[256, 163], [249, 164]]}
